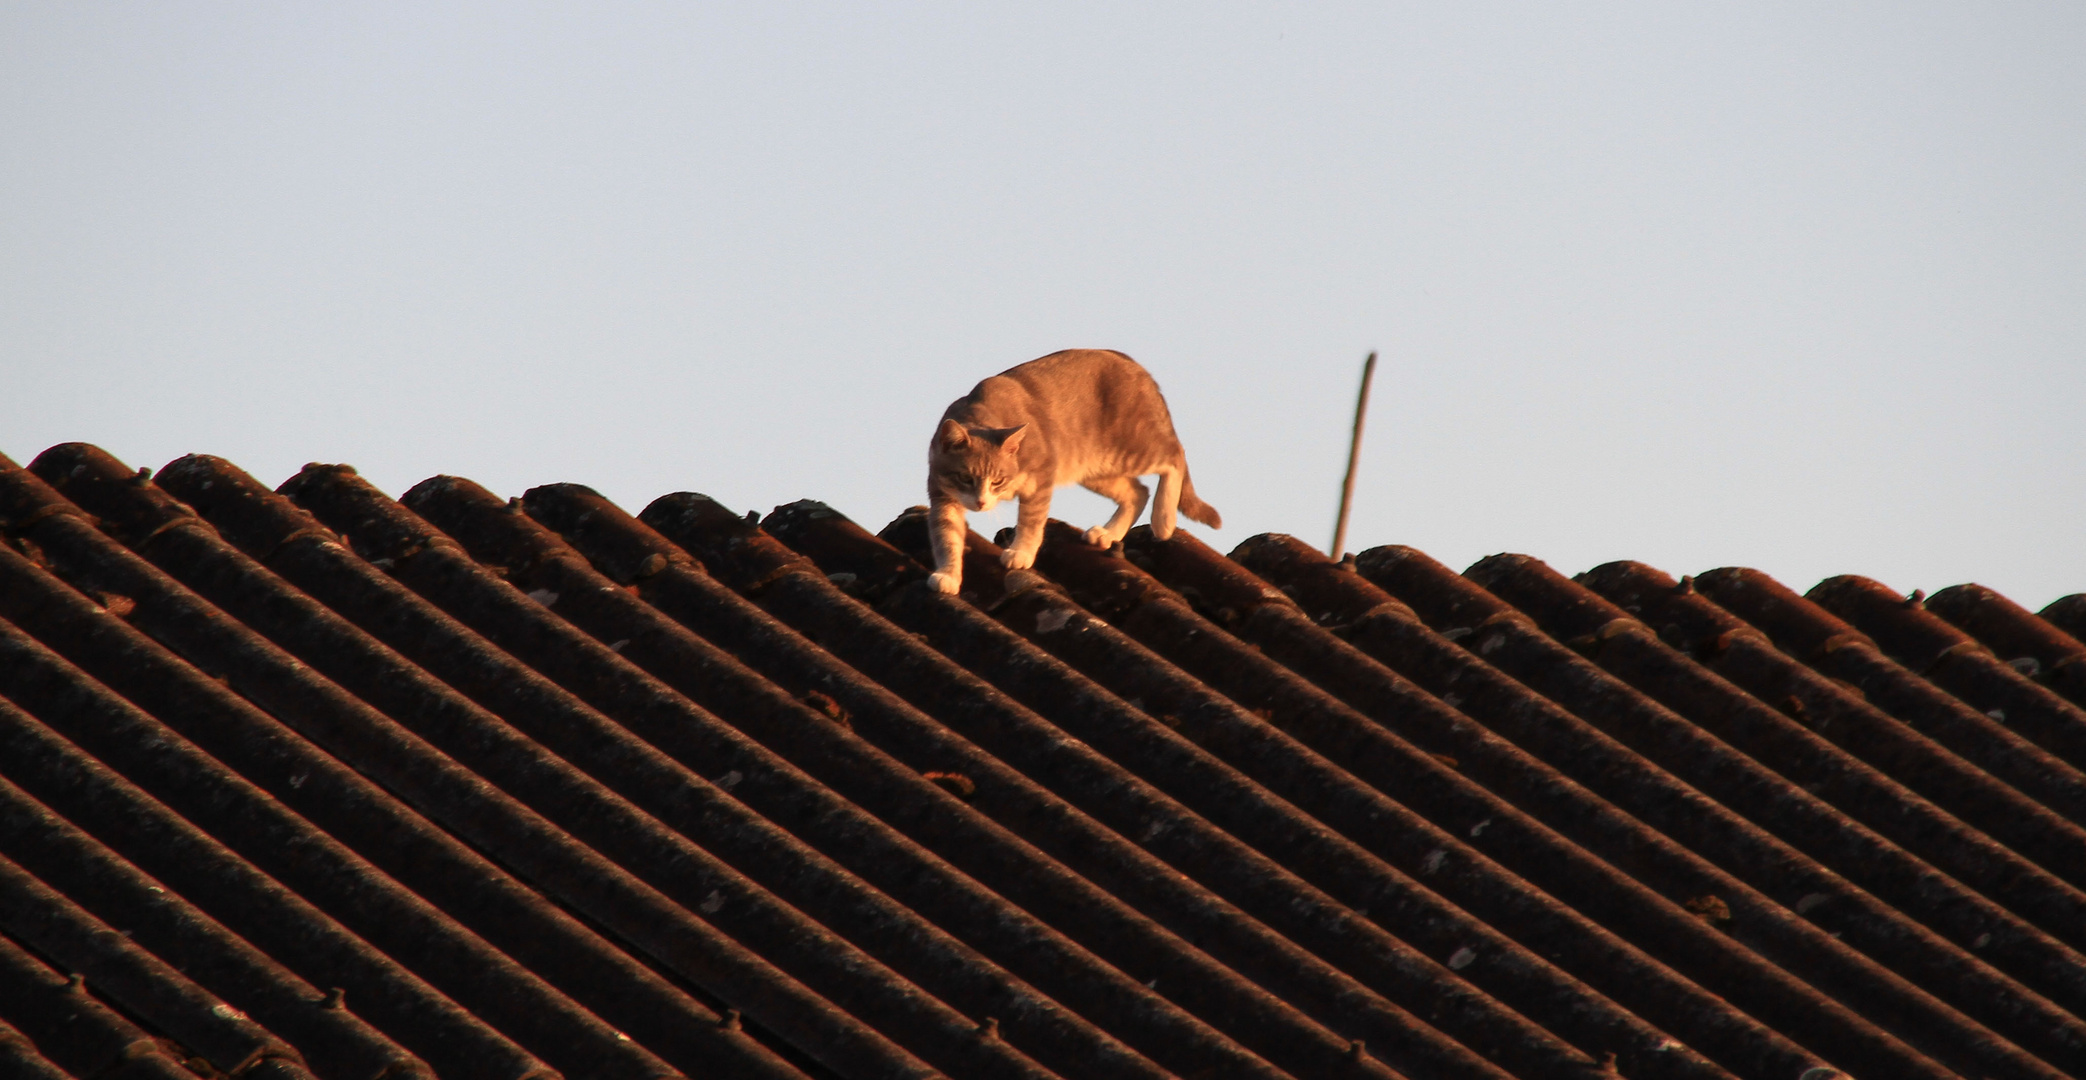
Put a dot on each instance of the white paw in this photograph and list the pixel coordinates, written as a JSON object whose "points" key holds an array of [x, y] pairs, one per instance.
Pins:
{"points": [[1099, 537], [948, 583], [1161, 532], [1017, 559]]}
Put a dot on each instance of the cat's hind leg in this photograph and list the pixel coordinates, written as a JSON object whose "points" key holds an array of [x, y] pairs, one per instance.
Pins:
{"points": [[1169, 501], [1129, 494], [1028, 531]]}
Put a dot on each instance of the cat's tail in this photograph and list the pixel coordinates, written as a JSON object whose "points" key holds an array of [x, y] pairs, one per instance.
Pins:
{"points": [[1195, 508]]}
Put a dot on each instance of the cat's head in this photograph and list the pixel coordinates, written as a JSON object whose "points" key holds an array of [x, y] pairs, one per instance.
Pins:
{"points": [[976, 466]]}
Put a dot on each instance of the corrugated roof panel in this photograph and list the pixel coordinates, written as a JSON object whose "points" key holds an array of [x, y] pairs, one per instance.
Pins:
{"points": [[318, 782]]}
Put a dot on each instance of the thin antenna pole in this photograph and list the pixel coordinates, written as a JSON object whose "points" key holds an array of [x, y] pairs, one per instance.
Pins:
{"points": [[1354, 451]]}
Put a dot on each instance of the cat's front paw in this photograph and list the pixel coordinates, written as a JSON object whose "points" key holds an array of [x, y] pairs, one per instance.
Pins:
{"points": [[1017, 559], [1099, 537], [947, 583]]}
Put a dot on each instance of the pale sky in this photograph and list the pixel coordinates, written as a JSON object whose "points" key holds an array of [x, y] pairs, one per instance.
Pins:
{"points": [[1793, 286]]}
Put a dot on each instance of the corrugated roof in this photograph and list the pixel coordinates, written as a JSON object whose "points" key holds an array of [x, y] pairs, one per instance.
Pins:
{"points": [[315, 782]]}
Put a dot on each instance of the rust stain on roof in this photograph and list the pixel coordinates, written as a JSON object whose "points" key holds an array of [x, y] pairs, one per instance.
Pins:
{"points": [[317, 782]]}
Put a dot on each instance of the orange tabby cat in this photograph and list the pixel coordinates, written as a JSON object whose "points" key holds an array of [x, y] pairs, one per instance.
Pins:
{"points": [[1090, 417]]}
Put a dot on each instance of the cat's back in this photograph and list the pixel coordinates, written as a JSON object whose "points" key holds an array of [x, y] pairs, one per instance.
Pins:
{"points": [[1094, 398], [1099, 411], [1089, 382], [1073, 367]]}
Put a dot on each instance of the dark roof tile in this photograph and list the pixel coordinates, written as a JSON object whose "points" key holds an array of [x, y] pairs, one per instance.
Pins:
{"points": [[1508, 835], [1676, 814], [1624, 646], [74, 1030], [649, 777], [782, 577], [1958, 663], [2020, 939], [2068, 614], [1124, 800], [562, 863], [856, 770], [971, 838], [539, 773], [1841, 653], [20, 1058], [176, 932], [1839, 711], [2016, 636], [64, 855], [56, 926], [316, 791], [1178, 733]]}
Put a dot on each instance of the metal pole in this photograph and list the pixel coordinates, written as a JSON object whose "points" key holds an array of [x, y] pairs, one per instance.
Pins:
{"points": [[1354, 451]]}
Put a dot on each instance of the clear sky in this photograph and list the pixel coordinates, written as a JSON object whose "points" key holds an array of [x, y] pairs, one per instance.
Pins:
{"points": [[1794, 286]]}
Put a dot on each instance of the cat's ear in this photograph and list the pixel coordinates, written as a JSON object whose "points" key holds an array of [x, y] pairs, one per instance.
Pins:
{"points": [[951, 435], [1012, 443]]}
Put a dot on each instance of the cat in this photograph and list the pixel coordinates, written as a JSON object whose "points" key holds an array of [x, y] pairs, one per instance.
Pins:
{"points": [[1091, 417]]}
